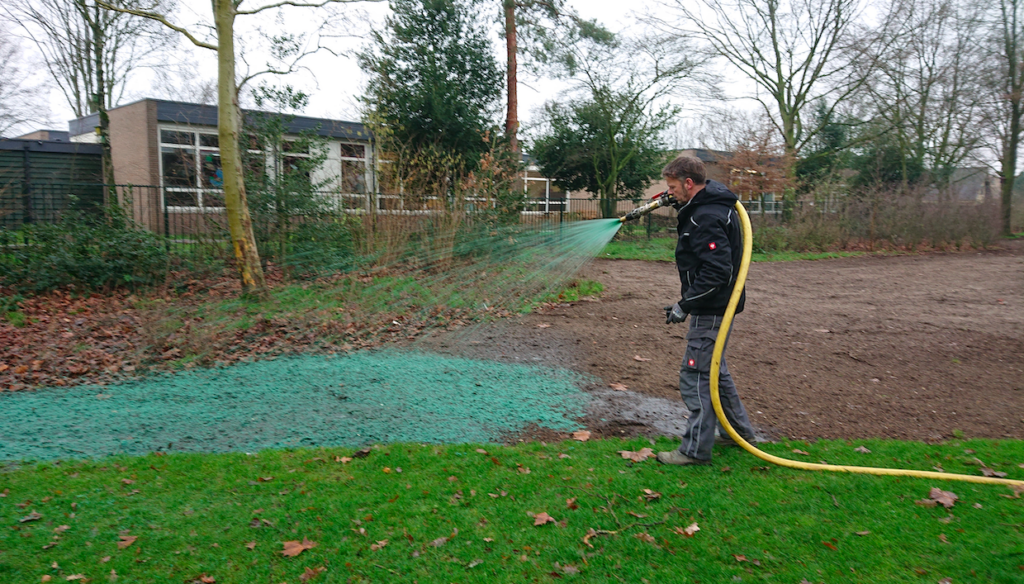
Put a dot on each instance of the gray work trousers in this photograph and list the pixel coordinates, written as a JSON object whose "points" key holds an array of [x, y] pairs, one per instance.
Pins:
{"points": [[695, 387]]}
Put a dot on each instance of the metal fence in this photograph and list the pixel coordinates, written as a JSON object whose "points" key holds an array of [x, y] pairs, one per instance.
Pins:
{"points": [[202, 225]]}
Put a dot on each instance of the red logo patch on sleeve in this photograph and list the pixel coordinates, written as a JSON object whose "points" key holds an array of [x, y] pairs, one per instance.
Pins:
{"points": [[712, 245], [691, 363]]}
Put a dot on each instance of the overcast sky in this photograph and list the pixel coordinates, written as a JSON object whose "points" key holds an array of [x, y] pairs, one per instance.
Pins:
{"points": [[335, 82]]}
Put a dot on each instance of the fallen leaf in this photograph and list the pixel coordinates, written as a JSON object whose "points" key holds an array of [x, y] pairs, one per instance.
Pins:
{"points": [[571, 504], [740, 558], [639, 456], [46, 577], [204, 579], [61, 529], [543, 325], [637, 515], [942, 538], [977, 506], [618, 387], [945, 498], [294, 548], [21, 369], [862, 450], [945, 581], [688, 531], [570, 570], [564, 455], [265, 479], [481, 451], [33, 516], [362, 453], [645, 537], [474, 563], [126, 540], [639, 358], [251, 545], [829, 546], [380, 544], [581, 435], [309, 574], [651, 495], [104, 559], [76, 577], [862, 533], [343, 459], [798, 451], [542, 518], [439, 542]]}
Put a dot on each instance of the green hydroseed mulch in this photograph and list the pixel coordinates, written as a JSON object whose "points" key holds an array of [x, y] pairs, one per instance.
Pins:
{"points": [[451, 513], [362, 398]]}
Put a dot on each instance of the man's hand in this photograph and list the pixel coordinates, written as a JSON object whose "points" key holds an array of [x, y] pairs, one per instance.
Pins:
{"points": [[674, 314]]}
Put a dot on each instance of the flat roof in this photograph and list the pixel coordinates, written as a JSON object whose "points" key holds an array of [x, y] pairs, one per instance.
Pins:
{"points": [[206, 115], [50, 146]]}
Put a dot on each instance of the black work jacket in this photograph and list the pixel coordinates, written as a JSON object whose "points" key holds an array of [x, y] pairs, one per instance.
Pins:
{"points": [[709, 250]]}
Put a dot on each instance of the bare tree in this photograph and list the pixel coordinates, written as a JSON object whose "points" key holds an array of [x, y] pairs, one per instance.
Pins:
{"points": [[180, 83], [65, 32], [91, 52], [795, 51], [1004, 79], [20, 97], [288, 50], [925, 87]]}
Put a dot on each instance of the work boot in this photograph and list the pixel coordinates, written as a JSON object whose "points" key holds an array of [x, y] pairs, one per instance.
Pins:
{"points": [[678, 458]]}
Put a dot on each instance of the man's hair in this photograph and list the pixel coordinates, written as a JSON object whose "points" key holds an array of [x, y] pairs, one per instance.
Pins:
{"points": [[685, 167]]}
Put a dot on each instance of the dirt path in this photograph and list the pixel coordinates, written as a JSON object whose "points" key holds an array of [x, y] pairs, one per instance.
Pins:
{"points": [[911, 347]]}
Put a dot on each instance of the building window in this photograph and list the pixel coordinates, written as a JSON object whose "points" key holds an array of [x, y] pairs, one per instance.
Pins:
{"points": [[193, 179], [353, 169], [190, 169]]}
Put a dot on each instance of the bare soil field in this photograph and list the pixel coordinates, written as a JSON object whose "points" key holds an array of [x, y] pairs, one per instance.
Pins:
{"points": [[918, 347]]}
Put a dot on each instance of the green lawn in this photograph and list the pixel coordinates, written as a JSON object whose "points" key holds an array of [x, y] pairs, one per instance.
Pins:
{"points": [[663, 250], [451, 513]]}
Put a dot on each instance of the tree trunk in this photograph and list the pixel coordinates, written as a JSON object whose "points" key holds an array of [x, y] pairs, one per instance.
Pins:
{"points": [[100, 96], [228, 128], [1009, 165], [512, 118]]}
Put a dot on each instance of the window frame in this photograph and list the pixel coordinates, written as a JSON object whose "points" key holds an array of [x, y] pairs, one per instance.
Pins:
{"points": [[197, 150]]}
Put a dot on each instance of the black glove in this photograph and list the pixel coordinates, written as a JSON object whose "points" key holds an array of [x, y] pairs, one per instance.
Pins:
{"points": [[674, 314]]}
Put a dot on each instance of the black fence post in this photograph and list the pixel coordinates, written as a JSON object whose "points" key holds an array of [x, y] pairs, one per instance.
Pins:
{"points": [[162, 204], [26, 189]]}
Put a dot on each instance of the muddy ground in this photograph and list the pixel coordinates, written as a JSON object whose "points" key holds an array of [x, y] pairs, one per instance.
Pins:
{"points": [[919, 347]]}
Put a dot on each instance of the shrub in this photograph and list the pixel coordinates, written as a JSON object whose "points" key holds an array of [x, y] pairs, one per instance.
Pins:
{"points": [[770, 238], [85, 252], [321, 247]]}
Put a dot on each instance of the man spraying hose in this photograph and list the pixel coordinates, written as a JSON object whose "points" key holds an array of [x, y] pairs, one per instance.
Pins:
{"points": [[708, 255]]}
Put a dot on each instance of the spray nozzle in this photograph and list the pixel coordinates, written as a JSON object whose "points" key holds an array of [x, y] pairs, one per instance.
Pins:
{"points": [[662, 199]]}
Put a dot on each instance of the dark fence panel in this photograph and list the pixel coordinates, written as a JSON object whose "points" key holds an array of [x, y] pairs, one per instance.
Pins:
{"points": [[203, 231]]}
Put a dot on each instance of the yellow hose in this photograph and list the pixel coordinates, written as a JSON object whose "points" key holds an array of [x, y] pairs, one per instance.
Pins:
{"points": [[716, 361]]}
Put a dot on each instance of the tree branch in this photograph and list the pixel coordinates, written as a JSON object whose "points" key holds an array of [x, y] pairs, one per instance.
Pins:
{"points": [[159, 18], [300, 5]]}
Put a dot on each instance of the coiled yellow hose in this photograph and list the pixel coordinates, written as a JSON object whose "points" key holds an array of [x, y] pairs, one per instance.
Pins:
{"points": [[716, 361]]}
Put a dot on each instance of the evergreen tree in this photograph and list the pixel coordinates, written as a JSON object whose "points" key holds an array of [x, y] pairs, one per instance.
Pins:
{"points": [[434, 81]]}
